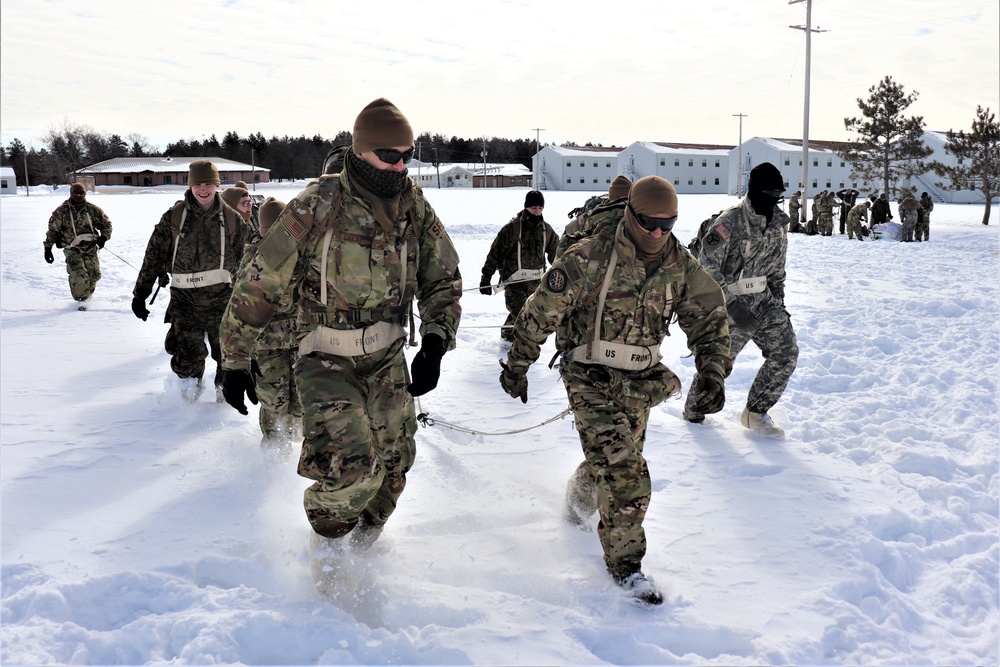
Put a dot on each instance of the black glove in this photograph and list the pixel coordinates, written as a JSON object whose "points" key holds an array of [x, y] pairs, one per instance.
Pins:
{"points": [[139, 308], [48, 254], [485, 287], [426, 367], [515, 384], [740, 315], [100, 241], [709, 392], [237, 383]]}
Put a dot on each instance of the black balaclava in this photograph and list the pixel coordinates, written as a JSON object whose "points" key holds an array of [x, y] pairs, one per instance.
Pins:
{"points": [[765, 180]]}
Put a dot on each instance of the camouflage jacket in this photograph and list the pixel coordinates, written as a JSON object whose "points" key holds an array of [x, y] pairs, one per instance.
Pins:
{"points": [[927, 204], [371, 274], [68, 222], [604, 214], [640, 302], [794, 207], [858, 213], [534, 241], [739, 244], [281, 332], [206, 239]]}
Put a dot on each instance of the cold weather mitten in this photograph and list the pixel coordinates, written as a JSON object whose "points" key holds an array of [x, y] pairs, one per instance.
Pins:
{"points": [[237, 383], [101, 240], [515, 384], [139, 308], [740, 315], [709, 393], [485, 287], [48, 254], [426, 367]]}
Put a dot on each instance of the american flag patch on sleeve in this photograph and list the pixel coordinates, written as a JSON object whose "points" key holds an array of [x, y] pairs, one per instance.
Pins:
{"points": [[723, 231]]}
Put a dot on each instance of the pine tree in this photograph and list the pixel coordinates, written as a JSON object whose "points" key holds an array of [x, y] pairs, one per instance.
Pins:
{"points": [[889, 147], [978, 153]]}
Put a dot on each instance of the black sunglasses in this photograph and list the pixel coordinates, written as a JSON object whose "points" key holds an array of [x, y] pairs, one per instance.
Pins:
{"points": [[391, 156], [650, 223]]}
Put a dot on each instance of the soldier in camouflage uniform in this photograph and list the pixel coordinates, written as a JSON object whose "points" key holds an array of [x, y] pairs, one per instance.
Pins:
{"points": [[581, 226], [355, 249], [80, 229], [909, 212], [924, 223], [198, 243], [238, 198], [519, 252], [275, 354], [794, 209], [744, 250], [824, 205], [857, 213], [609, 299], [848, 197]]}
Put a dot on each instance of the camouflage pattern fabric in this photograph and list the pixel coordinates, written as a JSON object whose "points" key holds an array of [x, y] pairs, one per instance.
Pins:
{"points": [[603, 214], [857, 213], [908, 211], [611, 406], [280, 409], [82, 263], [724, 255], [537, 240], [194, 314], [358, 420], [824, 223], [923, 231], [794, 210]]}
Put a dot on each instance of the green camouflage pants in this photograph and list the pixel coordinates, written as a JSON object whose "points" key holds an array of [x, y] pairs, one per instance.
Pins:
{"points": [[825, 224], [84, 269], [280, 410], [923, 229], [514, 297], [612, 438], [185, 343], [358, 424]]}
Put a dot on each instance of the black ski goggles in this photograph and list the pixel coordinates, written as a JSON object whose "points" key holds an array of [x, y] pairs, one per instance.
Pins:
{"points": [[650, 223], [392, 156]]}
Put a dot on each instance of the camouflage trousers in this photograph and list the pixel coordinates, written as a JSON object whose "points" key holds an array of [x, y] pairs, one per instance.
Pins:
{"points": [[774, 335], [514, 297], [825, 224], [84, 269], [358, 426], [923, 228], [854, 228], [280, 411], [612, 437], [909, 226], [185, 343]]}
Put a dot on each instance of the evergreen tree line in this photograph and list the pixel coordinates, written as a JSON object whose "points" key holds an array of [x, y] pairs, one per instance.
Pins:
{"points": [[888, 148], [72, 147]]}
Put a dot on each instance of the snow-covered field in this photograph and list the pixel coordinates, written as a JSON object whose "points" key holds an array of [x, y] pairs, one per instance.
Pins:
{"points": [[138, 529]]}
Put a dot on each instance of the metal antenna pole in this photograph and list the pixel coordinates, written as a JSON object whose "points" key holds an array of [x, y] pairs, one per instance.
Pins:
{"points": [[534, 171], [739, 154], [805, 120]]}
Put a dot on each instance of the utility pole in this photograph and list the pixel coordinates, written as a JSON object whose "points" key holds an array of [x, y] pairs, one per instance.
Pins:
{"points": [[534, 171], [27, 185], [739, 153], [483, 155], [253, 170], [805, 114]]}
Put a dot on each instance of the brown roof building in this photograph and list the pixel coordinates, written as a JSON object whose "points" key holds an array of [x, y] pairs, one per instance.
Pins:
{"points": [[153, 171]]}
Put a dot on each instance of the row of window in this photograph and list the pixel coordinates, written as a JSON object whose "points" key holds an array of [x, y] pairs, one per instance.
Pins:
{"points": [[607, 165], [677, 181], [829, 162], [677, 163]]}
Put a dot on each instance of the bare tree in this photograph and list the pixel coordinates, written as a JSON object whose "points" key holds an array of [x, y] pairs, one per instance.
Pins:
{"points": [[978, 153], [889, 147]]}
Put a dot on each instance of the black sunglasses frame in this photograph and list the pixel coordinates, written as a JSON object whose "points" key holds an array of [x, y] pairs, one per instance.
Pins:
{"points": [[392, 156], [650, 223]]}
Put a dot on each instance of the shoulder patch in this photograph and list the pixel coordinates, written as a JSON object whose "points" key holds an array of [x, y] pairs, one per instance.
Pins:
{"points": [[437, 229], [722, 231], [555, 281], [713, 239]]}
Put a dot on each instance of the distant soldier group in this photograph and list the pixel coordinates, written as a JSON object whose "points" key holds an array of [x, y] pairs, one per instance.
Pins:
{"points": [[914, 214]]}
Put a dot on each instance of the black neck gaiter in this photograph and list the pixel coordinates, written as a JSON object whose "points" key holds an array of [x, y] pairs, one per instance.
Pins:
{"points": [[381, 183]]}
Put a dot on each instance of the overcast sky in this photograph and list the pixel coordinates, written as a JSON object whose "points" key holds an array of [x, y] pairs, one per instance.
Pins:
{"points": [[603, 72]]}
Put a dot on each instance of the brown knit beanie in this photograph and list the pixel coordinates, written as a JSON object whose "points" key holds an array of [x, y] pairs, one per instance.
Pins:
{"points": [[619, 188], [381, 125], [233, 195], [269, 212], [78, 187], [653, 195], [241, 184], [203, 171]]}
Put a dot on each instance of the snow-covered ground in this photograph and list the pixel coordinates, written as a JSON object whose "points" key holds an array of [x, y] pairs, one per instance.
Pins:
{"points": [[138, 529]]}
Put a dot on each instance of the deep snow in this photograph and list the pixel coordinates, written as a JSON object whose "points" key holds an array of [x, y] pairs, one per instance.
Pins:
{"points": [[138, 529]]}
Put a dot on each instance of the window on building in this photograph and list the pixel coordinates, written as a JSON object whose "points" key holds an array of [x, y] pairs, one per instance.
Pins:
{"points": [[677, 162], [663, 162], [582, 163], [704, 163], [256, 178], [184, 179], [786, 160], [167, 179], [800, 163], [828, 184], [608, 180], [841, 185], [608, 164], [677, 181], [716, 180], [690, 181], [582, 181], [690, 163], [842, 165], [717, 164], [569, 181], [703, 181], [815, 162], [568, 163], [127, 180], [595, 181], [829, 163], [814, 185], [224, 178]]}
